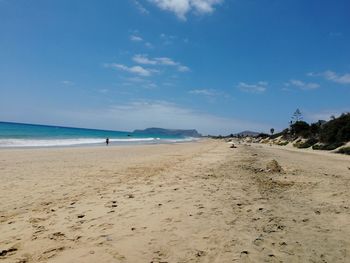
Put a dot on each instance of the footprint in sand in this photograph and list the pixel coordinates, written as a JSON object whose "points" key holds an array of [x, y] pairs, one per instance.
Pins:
{"points": [[57, 236], [51, 252], [11, 250]]}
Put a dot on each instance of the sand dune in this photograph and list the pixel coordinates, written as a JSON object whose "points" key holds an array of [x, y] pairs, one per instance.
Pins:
{"points": [[193, 202]]}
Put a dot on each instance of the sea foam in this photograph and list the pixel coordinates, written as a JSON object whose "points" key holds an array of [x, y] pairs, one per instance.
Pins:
{"points": [[64, 142]]}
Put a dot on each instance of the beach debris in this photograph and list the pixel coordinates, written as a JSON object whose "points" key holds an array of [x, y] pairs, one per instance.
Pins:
{"points": [[233, 146], [274, 167], [80, 216], [131, 196]]}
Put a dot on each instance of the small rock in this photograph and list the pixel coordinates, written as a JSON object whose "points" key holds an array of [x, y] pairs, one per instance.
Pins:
{"points": [[80, 216]]}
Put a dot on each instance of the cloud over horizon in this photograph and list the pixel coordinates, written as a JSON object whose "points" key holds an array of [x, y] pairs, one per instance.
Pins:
{"points": [[144, 114]]}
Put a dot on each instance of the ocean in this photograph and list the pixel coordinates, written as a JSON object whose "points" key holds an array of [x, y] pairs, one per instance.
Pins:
{"points": [[33, 135]]}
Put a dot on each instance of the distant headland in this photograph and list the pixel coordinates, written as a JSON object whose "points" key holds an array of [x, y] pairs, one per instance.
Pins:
{"points": [[169, 132]]}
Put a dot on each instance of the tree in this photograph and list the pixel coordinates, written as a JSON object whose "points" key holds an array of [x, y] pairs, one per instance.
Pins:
{"points": [[272, 130], [300, 128], [297, 116]]}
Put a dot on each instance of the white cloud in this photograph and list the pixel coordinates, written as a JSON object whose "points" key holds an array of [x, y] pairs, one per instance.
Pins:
{"points": [[143, 114], [67, 82], [136, 38], [335, 77], [135, 79], [141, 8], [167, 39], [182, 7], [149, 45], [138, 70], [166, 61], [143, 59], [183, 68], [162, 61], [332, 76], [260, 87], [103, 90], [302, 85], [206, 92], [212, 95]]}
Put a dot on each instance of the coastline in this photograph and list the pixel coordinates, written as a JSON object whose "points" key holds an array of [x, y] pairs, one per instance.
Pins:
{"points": [[190, 202], [111, 144]]}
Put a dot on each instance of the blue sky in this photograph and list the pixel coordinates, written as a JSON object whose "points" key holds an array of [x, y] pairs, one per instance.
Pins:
{"points": [[219, 66]]}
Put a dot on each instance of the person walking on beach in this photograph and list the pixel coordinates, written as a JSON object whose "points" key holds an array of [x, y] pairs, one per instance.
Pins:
{"points": [[107, 141]]}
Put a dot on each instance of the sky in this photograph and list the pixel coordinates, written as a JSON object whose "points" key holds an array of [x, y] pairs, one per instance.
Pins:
{"points": [[218, 66]]}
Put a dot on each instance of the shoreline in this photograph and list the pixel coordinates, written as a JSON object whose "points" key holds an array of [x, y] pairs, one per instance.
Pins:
{"points": [[111, 144]]}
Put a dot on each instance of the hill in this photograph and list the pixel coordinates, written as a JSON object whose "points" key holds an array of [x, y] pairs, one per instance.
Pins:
{"points": [[169, 132]]}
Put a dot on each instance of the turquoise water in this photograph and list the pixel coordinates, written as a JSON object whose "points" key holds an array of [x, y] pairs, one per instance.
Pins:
{"points": [[32, 135]]}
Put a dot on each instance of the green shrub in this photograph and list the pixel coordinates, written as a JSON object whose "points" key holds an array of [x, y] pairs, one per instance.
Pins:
{"points": [[276, 135], [337, 130], [307, 144], [317, 147], [263, 135], [301, 128], [327, 147], [344, 150], [282, 143]]}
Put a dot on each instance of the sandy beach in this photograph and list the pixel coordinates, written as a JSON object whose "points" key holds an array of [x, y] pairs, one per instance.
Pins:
{"points": [[190, 202]]}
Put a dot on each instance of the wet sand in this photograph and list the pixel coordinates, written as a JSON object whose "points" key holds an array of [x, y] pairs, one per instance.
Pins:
{"points": [[191, 202]]}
